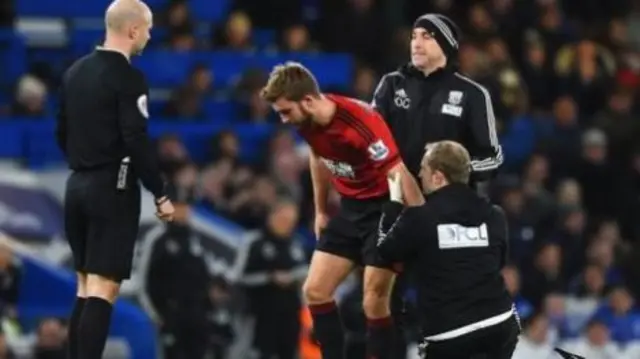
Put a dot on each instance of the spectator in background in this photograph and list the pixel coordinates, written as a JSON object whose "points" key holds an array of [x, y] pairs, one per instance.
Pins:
{"points": [[10, 277], [182, 40], [364, 84], [220, 318], [50, 340], [5, 351], [555, 309], [177, 18], [236, 33], [587, 292], [511, 276], [522, 230], [274, 270], [249, 207], [30, 98], [534, 344], [185, 103], [586, 73], [597, 177], [620, 126], [571, 237], [545, 275], [537, 74], [171, 153], [296, 39], [563, 145], [620, 316], [596, 344]]}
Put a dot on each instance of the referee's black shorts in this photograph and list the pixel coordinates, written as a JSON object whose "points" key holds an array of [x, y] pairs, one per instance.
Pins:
{"points": [[101, 223], [495, 342]]}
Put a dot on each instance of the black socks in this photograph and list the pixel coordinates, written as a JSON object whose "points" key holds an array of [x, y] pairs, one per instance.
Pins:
{"points": [[93, 328]]}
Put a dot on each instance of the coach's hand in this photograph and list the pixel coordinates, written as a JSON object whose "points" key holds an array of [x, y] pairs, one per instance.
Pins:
{"points": [[322, 219], [164, 209]]}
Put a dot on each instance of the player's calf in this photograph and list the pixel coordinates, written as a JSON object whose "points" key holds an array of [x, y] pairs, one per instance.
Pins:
{"points": [[378, 284], [326, 272]]}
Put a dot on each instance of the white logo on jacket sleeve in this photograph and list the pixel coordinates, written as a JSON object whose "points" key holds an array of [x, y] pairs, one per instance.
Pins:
{"points": [[455, 236], [143, 106], [378, 151]]}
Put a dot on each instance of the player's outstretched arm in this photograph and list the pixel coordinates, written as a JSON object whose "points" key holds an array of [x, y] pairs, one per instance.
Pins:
{"points": [[410, 193], [321, 179]]}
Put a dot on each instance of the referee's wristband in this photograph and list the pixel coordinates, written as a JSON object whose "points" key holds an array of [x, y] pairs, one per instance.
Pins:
{"points": [[161, 200]]}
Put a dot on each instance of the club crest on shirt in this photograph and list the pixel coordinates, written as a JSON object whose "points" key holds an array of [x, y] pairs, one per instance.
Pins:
{"points": [[455, 97], [378, 151], [142, 106]]}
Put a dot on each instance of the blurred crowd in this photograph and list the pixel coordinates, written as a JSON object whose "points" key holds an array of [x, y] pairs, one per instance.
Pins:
{"points": [[564, 77]]}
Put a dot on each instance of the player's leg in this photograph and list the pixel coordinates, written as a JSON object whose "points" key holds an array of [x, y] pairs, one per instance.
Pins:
{"points": [[113, 229], [378, 284], [76, 230], [326, 272]]}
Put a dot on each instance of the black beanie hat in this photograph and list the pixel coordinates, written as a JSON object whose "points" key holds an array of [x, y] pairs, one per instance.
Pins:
{"points": [[444, 30]]}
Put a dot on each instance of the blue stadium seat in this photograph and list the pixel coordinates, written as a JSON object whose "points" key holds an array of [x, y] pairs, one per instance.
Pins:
{"points": [[70, 9], [13, 57], [169, 69], [41, 144], [209, 10], [222, 112], [263, 38], [11, 139], [83, 41], [166, 69]]}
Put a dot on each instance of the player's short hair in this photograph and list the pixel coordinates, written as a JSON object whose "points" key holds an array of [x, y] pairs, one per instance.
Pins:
{"points": [[451, 159], [292, 81]]}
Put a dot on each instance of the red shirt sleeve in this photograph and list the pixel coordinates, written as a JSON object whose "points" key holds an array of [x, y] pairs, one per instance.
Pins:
{"points": [[382, 151], [374, 136]]}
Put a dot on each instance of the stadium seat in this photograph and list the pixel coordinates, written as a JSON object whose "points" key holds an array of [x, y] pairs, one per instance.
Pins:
{"points": [[11, 139], [13, 59], [209, 10]]}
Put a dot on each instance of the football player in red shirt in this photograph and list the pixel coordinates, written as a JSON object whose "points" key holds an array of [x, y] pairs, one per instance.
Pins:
{"points": [[352, 148]]}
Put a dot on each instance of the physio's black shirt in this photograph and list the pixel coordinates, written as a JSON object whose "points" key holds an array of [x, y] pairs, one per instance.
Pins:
{"points": [[455, 246], [103, 117]]}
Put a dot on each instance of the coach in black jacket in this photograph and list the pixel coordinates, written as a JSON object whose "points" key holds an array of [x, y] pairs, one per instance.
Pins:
{"points": [[455, 246], [427, 100]]}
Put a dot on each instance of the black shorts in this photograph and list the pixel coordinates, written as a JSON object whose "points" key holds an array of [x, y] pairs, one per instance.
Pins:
{"points": [[353, 232], [495, 342], [101, 223]]}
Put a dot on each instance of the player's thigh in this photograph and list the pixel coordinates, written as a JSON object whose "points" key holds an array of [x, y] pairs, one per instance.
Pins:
{"points": [[378, 282], [341, 238], [113, 233], [501, 343], [326, 272], [76, 221]]}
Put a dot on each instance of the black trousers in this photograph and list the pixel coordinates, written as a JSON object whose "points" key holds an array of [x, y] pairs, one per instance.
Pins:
{"points": [[495, 342]]}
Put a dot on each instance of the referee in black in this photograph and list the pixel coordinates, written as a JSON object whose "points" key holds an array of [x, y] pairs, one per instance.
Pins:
{"points": [[455, 245], [102, 130], [428, 100]]}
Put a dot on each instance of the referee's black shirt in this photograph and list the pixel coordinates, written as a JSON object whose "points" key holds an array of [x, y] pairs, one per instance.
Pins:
{"points": [[454, 246], [445, 105], [103, 117]]}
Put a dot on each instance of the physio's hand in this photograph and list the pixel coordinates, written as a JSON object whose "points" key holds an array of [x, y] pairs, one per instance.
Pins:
{"points": [[164, 209], [321, 221], [395, 187]]}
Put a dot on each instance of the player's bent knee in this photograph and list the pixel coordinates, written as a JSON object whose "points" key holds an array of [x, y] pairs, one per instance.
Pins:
{"points": [[378, 286], [82, 285], [315, 292], [376, 304], [102, 287]]}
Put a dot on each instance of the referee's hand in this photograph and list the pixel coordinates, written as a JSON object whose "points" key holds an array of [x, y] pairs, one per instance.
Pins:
{"points": [[164, 209]]}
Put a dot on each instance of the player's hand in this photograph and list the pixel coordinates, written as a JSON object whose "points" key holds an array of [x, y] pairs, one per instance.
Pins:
{"points": [[395, 187], [282, 279], [164, 209], [321, 221]]}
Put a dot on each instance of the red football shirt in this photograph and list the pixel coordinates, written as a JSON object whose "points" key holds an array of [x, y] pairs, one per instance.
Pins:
{"points": [[356, 146]]}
